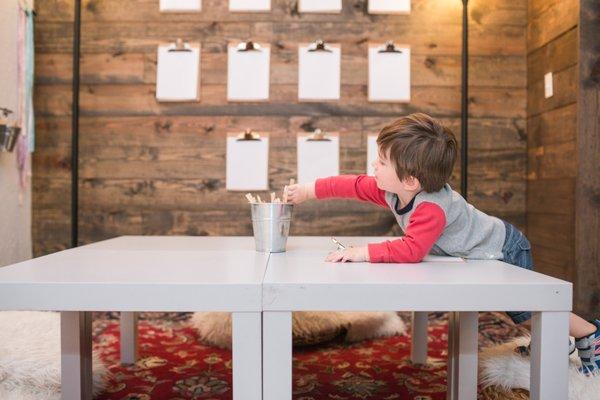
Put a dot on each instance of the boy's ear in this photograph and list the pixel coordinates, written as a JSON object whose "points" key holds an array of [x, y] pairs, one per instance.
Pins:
{"points": [[411, 183]]}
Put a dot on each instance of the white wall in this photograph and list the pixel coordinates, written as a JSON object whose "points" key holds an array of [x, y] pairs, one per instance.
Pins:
{"points": [[15, 218]]}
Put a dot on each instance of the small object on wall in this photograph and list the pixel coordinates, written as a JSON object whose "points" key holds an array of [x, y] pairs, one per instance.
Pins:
{"points": [[248, 72], [9, 132], [318, 155], [389, 6], [178, 72], [8, 137], [247, 166], [548, 85], [180, 5], [372, 154], [249, 5], [320, 6], [319, 69], [389, 73]]}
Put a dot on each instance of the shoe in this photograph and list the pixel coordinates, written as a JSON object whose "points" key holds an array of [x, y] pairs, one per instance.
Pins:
{"points": [[589, 351]]}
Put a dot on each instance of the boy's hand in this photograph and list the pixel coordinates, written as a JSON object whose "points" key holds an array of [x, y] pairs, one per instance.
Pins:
{"points": [[297, 194], [350, 254]]}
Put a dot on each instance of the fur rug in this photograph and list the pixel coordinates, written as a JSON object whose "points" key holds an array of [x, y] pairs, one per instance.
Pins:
{"points": [[30, 357], [501, 367], [308, 328]]}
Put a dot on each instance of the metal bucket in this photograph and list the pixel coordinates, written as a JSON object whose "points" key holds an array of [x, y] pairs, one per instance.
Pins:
{"points": [[271, 225]]}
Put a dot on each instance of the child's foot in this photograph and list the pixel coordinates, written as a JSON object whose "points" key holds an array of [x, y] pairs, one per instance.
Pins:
{"points": [[589, 351]]}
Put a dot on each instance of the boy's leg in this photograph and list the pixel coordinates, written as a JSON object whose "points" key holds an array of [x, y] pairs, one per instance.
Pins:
{"points": [[588, 347], [579, 327]]}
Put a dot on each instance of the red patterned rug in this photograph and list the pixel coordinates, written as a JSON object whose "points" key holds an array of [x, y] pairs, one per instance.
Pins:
{"points": [[174, 365]]}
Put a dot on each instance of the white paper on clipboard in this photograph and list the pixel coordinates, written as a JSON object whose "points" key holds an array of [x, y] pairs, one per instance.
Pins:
{"points": [[247, 166], [318, 158], [178, 73], [389, 74], [319, 6], [249, 5], [319, 73], [389, 6], [180, 5], [248, 73], [372, 154]]}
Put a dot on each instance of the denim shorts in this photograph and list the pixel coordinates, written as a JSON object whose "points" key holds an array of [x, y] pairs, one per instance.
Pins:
{"points": [[517, 251]]}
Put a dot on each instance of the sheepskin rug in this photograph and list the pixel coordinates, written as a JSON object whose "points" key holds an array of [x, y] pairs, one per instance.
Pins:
{"points": [[308, 328], [30, 357], [502, 367]]}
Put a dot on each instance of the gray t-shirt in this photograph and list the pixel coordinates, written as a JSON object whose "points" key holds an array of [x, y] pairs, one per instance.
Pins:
{"points": [[469, 233]]}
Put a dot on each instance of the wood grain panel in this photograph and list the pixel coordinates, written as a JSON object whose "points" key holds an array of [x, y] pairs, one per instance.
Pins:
{"points": [[152, 168]]}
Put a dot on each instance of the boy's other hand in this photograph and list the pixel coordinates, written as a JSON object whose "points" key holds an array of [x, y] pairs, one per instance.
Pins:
{"points": [[350, 254], [300, 193]]}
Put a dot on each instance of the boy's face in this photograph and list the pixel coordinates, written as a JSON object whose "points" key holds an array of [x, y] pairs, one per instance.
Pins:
{"points": [[387, 178], [385, 174]]}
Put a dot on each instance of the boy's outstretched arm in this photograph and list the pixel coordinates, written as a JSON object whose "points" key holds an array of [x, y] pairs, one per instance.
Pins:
{"points": [[425, 226], [360, 187]]}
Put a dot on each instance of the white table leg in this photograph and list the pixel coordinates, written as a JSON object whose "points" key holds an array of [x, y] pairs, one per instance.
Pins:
{"points": [[462, 355], [247, 355], [76, 355], [419, 338], [549, 356], [453, 348], [467, 355], [129, 337], [277, 355]]}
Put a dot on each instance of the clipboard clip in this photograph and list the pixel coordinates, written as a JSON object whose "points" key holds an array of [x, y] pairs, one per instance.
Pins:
{"points": [[6, 112], [319, 45], [248, 45], [180, 45], [389, 47], [248, 135], [318, 136]]}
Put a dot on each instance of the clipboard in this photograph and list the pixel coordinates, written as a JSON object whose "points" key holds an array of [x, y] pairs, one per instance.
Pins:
{"points": [[318, 155], [249, 5], [247, 166], [175, 6], [320, 6], [248, 71], [319, 71], [178, 72], [372, 153], [389, 73], [398, 7]]}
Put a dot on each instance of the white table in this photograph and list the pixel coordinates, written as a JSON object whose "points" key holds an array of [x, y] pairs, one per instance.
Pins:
{"points": [[134, 274], [300, 280]]}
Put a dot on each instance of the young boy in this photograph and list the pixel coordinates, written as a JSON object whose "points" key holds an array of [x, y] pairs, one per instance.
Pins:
{"points": [[416, 158]]}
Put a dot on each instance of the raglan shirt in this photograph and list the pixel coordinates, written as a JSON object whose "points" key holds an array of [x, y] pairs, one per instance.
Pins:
{"points": [[441, 223]]}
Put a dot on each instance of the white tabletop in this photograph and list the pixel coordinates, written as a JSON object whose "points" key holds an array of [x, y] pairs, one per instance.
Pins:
{"points": [[178, 274], [174, 243], [300, 279]]}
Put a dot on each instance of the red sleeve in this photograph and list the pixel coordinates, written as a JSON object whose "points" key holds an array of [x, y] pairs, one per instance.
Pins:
{"points": [[361, 187], [424, 228]]}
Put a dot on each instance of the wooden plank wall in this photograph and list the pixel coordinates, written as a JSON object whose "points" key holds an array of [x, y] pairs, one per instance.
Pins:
{"points": [[552, 46], [149, 168]]}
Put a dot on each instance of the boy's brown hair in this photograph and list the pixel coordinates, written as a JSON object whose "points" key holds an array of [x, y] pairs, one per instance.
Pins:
{"points": [[421, 147]]}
